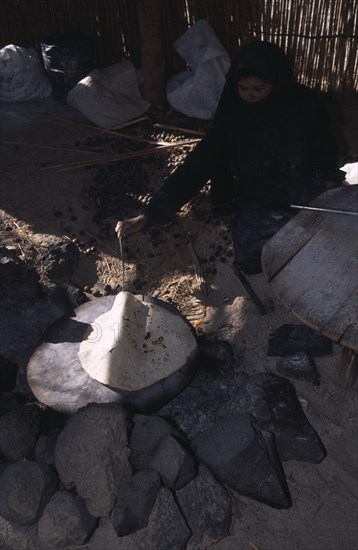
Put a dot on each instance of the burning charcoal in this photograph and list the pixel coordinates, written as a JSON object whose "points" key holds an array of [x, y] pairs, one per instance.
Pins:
{"points": [[244, 459], [300, 366], [273, 402], [289, 339], [135, 500]]}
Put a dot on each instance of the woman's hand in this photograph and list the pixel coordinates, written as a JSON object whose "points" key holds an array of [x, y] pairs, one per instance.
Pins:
{"points": [[132, 225]]}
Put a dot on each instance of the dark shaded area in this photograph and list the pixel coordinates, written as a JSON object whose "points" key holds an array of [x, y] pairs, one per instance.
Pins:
{"points": [[289, 339]]}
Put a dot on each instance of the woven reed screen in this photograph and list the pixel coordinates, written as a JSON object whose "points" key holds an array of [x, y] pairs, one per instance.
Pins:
{"points": [[320, 36]]}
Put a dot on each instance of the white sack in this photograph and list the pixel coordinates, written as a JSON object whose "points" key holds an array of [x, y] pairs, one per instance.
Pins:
{"points": [[197, 92], [22, 76], [135, 344], [109, 96]]}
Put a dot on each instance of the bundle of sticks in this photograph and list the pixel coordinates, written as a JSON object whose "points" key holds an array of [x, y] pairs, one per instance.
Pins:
{"points": [[101, 158]]}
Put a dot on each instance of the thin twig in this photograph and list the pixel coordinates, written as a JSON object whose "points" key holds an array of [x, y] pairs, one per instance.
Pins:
{"points": [[102, 243], [101, 130], [116, 158], [130, 123], [25, 234]]}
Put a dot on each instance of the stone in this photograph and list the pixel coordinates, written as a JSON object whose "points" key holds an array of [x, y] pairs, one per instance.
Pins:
{"points": [[45, 448], [25, 489], [65, 522], [92, 455], [8, 373], [166, 530], [19, 284], [61, 260], [135, 500], [19, 430], [146, 436], [289, 339], [299, 366], [214, 382], [273, 402], [243, 458], [174, 464], [21, 331], [206, 505], [214, 353], [9, 401]]}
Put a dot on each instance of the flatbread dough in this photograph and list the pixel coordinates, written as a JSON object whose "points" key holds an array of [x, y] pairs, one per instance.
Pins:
{"points": [[136, 344]]}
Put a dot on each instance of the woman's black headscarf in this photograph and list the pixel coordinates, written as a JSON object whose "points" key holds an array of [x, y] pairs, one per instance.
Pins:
{"points": [[266, 61], [261, 59]]}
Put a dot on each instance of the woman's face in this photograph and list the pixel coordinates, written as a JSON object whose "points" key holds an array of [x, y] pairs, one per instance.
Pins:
{"points": [[253, 89]]}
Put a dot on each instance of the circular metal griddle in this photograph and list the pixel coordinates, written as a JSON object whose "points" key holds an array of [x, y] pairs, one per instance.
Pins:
{"points": [[57, 379]]}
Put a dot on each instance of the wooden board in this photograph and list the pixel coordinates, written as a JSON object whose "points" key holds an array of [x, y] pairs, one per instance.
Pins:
{"points": [[282, 248], [312, 266]]}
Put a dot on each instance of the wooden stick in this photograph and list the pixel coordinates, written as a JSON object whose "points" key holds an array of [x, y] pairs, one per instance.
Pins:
{"points": [[116, 158], [197, 267], [178, 129], [100, 130], [130, 123], [245, 283]]}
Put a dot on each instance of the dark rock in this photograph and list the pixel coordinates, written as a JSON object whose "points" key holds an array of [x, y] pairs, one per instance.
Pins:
{"points": [[135, 500], [299, 366], [19, 430], [166, 530], [8, 373], [25, 489], [91, 455], [244, 460], [8, 402], [45, 448], [273, 402], [146, 436], [174, 464], [215, 353], [60, 260], [19, 284], [216, 380], [65, 522], [206, 505], [288, 339], [21, 331]]}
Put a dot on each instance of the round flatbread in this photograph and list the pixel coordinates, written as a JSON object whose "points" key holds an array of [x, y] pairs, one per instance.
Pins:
{"points": [[135, 344]]}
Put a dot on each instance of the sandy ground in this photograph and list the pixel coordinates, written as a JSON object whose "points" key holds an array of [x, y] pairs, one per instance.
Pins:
{"points": [[324, 515]]}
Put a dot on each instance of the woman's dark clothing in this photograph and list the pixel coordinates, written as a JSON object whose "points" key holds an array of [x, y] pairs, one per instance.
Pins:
{"points": [[269, 154]]}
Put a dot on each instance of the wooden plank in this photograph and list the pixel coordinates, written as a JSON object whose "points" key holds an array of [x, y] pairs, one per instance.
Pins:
{"points": [[322, 276], [350, 337], [348, 368], [344, 317], [287, 242]]}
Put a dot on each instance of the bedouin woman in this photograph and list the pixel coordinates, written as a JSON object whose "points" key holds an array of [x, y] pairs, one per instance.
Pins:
{"points": [[269, 146]]}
